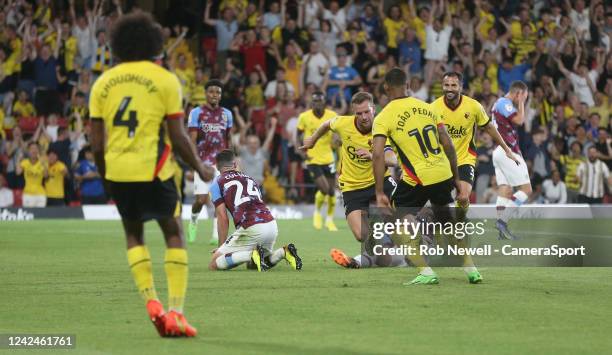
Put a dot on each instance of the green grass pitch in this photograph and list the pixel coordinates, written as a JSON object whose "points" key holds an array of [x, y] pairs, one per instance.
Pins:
{"points": [[65, 276]]}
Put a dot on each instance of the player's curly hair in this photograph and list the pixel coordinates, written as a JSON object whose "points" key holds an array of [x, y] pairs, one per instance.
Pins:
{"points": [[136, 37]]}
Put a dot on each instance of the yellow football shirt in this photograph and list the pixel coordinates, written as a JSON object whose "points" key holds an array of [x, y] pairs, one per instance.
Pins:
{"points": [[461, 125], [55, 183], [354, 173], [412, 127], [33, 175], [134, 99], [392, 28], [24, 109], [322, 152], [70, 47]]}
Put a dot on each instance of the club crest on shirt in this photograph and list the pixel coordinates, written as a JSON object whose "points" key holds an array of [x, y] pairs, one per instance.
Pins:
{"points": [[467, 115]]}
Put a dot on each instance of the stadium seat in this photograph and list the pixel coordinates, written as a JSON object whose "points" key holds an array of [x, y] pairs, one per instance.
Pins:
{"points": [[74, 204], [28, 124], [17, 197], [62, 122], [209, 47]]}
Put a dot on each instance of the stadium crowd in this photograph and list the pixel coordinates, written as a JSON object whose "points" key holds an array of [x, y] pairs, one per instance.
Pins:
{"points": [[272, 55]]}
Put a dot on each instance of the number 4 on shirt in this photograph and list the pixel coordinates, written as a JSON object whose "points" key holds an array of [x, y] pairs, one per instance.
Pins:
{"points": [[132, 122]]}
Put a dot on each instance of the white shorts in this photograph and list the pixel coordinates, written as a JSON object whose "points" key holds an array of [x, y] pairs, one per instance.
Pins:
{"points": [[263, 234], [506, 170], [200, 187], [34, 200]]}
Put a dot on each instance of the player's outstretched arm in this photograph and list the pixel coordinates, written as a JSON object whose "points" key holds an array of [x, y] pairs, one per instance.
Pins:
{"points": [[309, 142], [222, 222], [186, 150], [497, 138]]}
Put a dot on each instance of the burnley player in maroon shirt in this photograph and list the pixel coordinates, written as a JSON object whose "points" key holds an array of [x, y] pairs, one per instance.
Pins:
{"points": [[256, 230], [209, 128], [509, 112]]}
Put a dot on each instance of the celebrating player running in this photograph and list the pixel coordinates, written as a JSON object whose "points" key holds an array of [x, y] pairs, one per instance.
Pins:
{"points": [[355, 174], [428, 160]]}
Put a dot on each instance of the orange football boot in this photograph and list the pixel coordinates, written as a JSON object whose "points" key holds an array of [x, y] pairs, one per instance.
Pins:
{"points": [[343, 260], [156, 314], [177, 326]]}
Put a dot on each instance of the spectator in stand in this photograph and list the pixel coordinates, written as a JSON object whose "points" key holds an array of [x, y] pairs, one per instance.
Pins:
{"points": [[604, 147], [538, 154], [342, 77], [283, 109], [77, 106], [83, 31], [583, 80], [569, 164], [410, 52], [394, 26], [252, 49], [6, 75], [102, 58], [315, 65], [508, 73], [92, 189], [370, 22], [6, 194], [15, 150], [254, 155], [554, 190], [34, 171], [54, 184], [490, 194], [438, 34], [274, 16], [47, 99], [280, 78], [594, 177], [485, 165], [23, 107], [185, 74], [292, 64], [336, 15], [226, 28]]}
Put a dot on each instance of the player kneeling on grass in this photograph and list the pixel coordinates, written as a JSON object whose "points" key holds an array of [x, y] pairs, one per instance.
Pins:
{"points": [[256, 229]]}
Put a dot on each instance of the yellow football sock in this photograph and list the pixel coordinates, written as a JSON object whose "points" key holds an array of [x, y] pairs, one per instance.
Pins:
{"points": [[414, 258], [176, 274], [139, 260], [467, 259], [319, 199], [331, 206]]}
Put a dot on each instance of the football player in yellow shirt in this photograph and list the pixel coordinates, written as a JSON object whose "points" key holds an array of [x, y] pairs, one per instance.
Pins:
{"points": [[461, 114], [320, 159], [34, 171], [137, 122], [355, 174], [428, 160]]}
